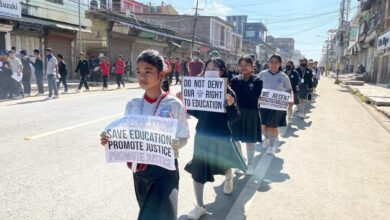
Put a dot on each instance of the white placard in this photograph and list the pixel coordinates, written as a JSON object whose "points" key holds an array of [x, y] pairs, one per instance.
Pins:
{"points": [[383, 41], [10, 8], [204, 94], [275, 100], [142, 139], [16, 76]]}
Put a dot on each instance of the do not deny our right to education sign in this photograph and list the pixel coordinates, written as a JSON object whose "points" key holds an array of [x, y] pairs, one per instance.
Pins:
{"points": [[204, 93], [275, 100]]}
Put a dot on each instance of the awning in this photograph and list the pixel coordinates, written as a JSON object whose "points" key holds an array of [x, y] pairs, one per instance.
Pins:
{"points": [[72, 28], [175, 44], [52, 24], [155, 32]]}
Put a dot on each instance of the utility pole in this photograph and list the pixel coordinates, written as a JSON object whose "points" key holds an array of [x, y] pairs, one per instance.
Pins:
{"points": [[80, 34], [193, 30], [237, 42], [340, 38]]}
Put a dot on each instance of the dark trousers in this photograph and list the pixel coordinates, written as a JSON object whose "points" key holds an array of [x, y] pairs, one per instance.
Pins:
{"points": [[63, 81], [119, 80], [105, 81], [156, 190], [170, 75], [26, 80], [177, 77], [5, 84], [83, 81], [39, 78]]}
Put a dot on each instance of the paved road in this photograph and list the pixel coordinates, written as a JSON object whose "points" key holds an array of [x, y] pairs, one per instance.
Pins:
{"points": [[333, 166]]}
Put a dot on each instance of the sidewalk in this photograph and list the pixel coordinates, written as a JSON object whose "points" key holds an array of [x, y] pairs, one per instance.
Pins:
{"points": [[334, 165]]}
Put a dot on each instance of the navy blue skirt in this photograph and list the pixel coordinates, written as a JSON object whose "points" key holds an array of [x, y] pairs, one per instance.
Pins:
{"points": [[273, 118]]}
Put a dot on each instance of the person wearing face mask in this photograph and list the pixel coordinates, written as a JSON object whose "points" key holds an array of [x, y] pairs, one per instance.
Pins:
{"points": [[196, 66], [294, 80], [316, 75], [52, 73], [274, 79], [247, 87], [214, 150], [305, 84]]}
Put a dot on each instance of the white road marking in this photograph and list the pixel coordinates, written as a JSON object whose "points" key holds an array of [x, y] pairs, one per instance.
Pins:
{"points": [[34, 137], [244, 199]]}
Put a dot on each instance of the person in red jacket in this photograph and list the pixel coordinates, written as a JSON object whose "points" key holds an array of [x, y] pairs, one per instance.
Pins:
{"points": [[120, 70], [105, 69]]}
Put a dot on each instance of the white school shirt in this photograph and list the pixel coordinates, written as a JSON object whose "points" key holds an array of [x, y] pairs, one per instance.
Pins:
{"points": [[278, 81], [170, 107]]}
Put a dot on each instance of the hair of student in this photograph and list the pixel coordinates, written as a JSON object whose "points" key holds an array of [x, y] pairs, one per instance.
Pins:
{"points": [[247, 59], [303, 59], [60, 56], [290, 61], [37, 51], [153, 58], [218, 62], [278, 58]]}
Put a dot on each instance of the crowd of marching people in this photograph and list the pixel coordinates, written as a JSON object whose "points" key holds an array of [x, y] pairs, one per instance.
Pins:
{"points": [[17, 69], [217, 136]]}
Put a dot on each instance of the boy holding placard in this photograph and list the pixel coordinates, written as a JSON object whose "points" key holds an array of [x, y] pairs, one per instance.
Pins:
{"points": [[156, 188]]}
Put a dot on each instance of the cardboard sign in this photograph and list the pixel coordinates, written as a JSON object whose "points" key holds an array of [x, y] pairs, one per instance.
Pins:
{"points": [[142, 139], [275, 100], [204, 93]]}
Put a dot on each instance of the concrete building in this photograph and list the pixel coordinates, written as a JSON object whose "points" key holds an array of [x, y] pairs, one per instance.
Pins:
{"points": [[213, 32], [116, 34], [166, 9], [255, 33], [44, 23], [371, 48], [286, 46], [238, 22]]}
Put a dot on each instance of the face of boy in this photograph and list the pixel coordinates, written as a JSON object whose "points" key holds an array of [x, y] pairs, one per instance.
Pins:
{"points": [[148, 76]]}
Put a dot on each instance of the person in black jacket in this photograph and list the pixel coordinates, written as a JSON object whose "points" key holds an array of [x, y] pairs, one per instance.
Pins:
{"points": [[63, 73], [5, 75], [26, 80], [247, 129], [305, 85], [38, 65], [294, 80], [215, 152], [83, 66]]}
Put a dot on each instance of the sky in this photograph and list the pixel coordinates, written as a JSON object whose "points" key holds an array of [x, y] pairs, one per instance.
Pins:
{"points": [[307, 21]]}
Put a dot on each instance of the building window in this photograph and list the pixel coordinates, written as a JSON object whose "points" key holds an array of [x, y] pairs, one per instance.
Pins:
{"points": [[222, 39], [56, 1], [250, 33]]}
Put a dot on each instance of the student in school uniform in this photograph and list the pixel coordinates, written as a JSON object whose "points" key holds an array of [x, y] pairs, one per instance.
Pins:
{"points": [[294, 80], [305, 85], [215, 152], [247, 87], [274, 79], [156, 188]]}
